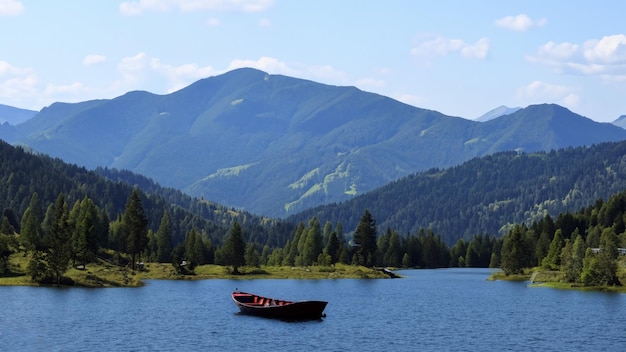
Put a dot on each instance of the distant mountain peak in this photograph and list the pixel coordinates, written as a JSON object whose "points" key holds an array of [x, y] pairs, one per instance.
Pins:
{"points": [[13, 115], [497, 112], [245, 138], [620, 122]]}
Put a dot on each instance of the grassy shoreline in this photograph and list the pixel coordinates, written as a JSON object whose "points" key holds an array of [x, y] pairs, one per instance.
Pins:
{"points": [[104, 274], [552, 279]]}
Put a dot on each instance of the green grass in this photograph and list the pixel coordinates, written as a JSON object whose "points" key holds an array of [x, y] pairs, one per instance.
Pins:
{"points": [[554, 279], [525, 276], [103, 273]]}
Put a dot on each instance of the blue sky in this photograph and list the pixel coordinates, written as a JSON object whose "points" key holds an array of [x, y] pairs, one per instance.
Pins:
{"points": [[461, 58]]}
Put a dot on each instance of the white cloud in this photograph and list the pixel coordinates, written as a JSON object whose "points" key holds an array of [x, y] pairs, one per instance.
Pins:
{"points": [[213, 22], [609, 50], [21, 87], [519, 23], [321, 73], [267, 64], [605, 57], [181, 76], [133, 63], [479, 50], [11, 8], [94, 59], [144, 72], [432, 46], [264, 22], [541, 92], [132, 70], [324, 73], [134, 8], [16, 83]]}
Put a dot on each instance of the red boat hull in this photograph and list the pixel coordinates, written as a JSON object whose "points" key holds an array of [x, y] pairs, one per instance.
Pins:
{"points": [[274, 308]]}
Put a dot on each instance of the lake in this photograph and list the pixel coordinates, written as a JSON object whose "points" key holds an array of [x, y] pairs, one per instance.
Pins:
{"points": [[427, 310]]}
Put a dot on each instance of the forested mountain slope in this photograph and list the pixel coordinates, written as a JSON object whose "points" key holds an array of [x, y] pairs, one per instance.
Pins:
{"points": [[485, 195], [274, 145], [22, 174]]}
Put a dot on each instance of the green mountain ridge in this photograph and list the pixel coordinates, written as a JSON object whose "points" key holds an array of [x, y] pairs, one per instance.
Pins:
{"points": [[484, 195], [275, 145], [487, 195], [23, 173]]}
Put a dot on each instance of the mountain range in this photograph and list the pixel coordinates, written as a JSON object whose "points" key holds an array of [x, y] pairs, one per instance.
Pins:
{"points": [[275, 145], [487, 195], [13, 116], [497, 112]]}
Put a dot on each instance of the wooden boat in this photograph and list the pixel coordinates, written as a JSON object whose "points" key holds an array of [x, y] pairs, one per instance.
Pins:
{"points": [[252, 304]]}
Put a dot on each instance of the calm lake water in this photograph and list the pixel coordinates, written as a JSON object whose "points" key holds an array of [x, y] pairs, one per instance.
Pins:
{"points": [[428, 310]]}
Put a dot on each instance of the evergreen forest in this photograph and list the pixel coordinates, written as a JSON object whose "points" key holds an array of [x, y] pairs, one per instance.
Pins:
{"points": [[490, 194], [60, 215], [585, 247]]}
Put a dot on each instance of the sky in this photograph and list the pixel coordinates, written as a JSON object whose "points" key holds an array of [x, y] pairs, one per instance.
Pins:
{"points": [[461, 58]]}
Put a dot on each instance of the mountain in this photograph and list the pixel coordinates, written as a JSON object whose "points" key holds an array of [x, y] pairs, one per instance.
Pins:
{"points": [[275, 145], [497, 112], [486, 195], [620, 122], [23, 173], [13, 116]]}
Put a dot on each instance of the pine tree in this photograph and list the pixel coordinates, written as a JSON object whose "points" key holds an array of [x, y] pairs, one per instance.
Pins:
{"points": [[328, 229], [5, 227], [578, 255], [58, 243], [136, 226], [194, 249], [84, 217], [164, 239], [457, 254], [567, 263], [430, 249], [333, 248], [393, 256], [102, 229], [5, 252], [514, 252], [31, 234], [313, 243], [252, 256], [365, 239], [496, 252], [234, 248], [291, 248], [382, 245], [552, 261], [265, 254], [472, 256]]}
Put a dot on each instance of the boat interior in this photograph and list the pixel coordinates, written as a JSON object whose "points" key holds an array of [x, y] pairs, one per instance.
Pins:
{"points": [[254, 300]]}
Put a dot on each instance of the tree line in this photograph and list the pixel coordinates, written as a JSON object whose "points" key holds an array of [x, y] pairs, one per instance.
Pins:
{"points": [[488, 194], [95, 215], [316, 245], [584, 246], [76, 235]]}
